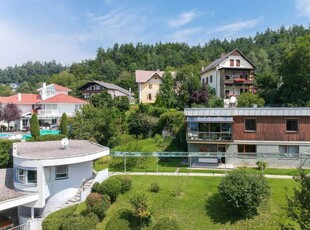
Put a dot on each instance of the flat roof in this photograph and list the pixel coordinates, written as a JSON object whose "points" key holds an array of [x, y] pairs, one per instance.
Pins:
{"points": [[231, 112], [7, 191], [55, 150]]}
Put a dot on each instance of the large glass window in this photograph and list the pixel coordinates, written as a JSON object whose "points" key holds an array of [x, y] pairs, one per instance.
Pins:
{"points": [[32, 176], [61, 172], [250, 125], [290, 149], [292, 125], [193, 127], [246, 149]]}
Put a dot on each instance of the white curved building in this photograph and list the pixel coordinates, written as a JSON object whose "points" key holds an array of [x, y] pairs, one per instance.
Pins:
{"points": [[47, 174]]}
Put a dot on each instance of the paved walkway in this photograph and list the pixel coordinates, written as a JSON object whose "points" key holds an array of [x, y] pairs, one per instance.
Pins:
{"points": [[188, 174]]}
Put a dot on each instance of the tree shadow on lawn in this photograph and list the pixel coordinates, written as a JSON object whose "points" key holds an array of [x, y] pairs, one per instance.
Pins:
{"points": [[218, 212]]}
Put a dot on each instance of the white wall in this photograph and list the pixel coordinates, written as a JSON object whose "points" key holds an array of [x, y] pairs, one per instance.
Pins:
{"points": [[243, 62], [69, 109], [215, 84]]}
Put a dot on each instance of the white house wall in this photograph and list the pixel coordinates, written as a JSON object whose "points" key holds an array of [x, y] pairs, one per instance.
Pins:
{"points": [[215, 84], [243, 62], [69, 109]]}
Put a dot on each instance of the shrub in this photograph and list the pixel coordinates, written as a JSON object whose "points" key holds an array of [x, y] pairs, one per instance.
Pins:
{"points": [[242, 192], [5, 153], [122, 220], [48, 137], [56, 219], [126, 182], [80, 222], [167, 224], [299, 204], [154, 187], [111, 187], [98, 204], [140, 202], [63, 127], [96, 188], [34, 126], [261, 164]]}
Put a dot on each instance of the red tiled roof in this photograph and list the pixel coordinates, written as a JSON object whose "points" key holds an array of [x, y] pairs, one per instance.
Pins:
{"points": [[25, 99], [61, 88], [63, 98]]}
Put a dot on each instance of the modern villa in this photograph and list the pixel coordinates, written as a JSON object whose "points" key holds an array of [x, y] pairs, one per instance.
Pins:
{"points": [[48, 176], [241, 136], [49, 104]]}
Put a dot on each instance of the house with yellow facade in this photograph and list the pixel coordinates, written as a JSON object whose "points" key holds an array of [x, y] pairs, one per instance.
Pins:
{"points": [[148, 84]]}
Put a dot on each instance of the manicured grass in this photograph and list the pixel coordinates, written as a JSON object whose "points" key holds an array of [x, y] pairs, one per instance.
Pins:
{"points": [[172, 164], [196, 206]]}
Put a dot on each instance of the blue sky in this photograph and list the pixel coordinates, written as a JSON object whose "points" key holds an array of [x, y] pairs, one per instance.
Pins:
{"points": [[72, 30]]}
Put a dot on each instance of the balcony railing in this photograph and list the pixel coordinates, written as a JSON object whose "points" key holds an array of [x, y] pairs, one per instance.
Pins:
{"points": [[209, 136], [239, 81], [43, 112]]}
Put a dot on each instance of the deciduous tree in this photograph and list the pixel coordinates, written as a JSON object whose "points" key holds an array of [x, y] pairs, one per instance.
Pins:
{"points": [[11, 113]]}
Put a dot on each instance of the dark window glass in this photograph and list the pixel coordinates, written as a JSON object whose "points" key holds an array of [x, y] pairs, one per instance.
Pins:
{"points": [[250, 124], [291, 125], [237, 62], [232, 62]]}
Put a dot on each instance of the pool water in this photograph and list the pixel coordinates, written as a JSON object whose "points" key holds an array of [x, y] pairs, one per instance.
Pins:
{"points": [[43, 132], [5, 135]]}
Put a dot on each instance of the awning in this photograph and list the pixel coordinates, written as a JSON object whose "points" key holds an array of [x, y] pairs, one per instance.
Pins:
{"points": [[210, 119]]}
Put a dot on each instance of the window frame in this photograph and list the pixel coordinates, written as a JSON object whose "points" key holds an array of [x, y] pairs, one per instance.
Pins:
{"points": [[57, 177], [238, 62], [231, 62], [149, 97], [291, 131], [150, 85], [244, 153], [245, 125], [211, 78]]}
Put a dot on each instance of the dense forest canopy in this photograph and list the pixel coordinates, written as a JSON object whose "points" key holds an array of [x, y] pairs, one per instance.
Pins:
{"points": [[267, 50]]}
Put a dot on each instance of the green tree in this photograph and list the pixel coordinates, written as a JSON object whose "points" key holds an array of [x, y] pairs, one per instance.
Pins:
{"points": [[5, 90], [95, 123], [141, 205], [63, 127], [34, 126], [299, 204], [166, 94], [295, 71], [5, 153], [243, 192], [141, 124], [101, 100], [97, 204], [249, 100]]}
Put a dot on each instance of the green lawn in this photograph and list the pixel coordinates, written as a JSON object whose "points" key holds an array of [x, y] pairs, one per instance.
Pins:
{"points": [[197, 208], [171, 165]]}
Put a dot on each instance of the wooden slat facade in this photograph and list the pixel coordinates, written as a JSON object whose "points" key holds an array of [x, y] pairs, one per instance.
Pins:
{"points": [[271, 129]]}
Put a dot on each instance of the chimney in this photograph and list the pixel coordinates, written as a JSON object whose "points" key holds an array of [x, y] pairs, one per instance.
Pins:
{"points": [[19, 96]]}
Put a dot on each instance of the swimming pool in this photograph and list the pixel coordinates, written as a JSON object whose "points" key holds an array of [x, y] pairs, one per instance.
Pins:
{"points": [[5, 135], [43, 132]]}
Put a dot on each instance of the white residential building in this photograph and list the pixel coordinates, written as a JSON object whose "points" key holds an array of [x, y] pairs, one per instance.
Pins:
{"points": [[46, 175], [49, 104], [231, 74]]}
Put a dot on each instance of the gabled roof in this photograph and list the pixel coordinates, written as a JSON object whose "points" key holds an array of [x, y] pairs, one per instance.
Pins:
{"points": [[62, 99], [25, 99], [145, 75], [57, 87], [221, 59], [108, 86]]}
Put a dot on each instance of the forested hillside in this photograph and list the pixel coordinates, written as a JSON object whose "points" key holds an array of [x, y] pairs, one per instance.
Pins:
{"points": [[269, 50]]}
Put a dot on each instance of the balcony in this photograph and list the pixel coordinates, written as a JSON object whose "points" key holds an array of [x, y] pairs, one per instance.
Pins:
{"points": [[48, 113], [209, 136]]}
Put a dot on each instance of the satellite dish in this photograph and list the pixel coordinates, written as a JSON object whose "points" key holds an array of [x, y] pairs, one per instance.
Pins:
{"points": [[65, 142], [233, 100]]}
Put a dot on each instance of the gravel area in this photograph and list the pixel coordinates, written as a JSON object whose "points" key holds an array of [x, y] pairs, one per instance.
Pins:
{"points": [[7, 185]]}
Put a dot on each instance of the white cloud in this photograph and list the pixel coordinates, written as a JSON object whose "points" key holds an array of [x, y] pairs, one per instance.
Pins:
{"points": [[185, 35], [183, 19], [235, 27], [303, 6]]}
